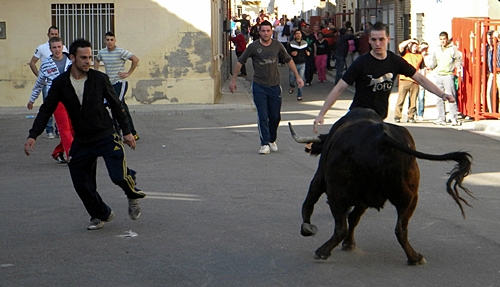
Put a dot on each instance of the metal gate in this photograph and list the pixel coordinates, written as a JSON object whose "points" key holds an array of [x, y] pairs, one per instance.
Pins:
{"points": [[470, 36]]}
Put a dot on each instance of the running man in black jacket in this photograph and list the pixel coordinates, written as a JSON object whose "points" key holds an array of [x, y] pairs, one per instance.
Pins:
{"points": [[82, 91]]}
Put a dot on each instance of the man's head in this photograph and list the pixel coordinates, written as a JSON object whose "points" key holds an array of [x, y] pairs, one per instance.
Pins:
{"points": [[378, 39], [443, 39], [423, 47], [307, 28], [413, 46], [368, 26], [349, 31], [56, 48], [110, 40], [297, 35], [80, 53], [266, 31], [53, 32], [237, 31]]}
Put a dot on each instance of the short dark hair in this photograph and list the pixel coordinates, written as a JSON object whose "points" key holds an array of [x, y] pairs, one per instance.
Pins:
{"points": [[379, 26], [109, 34], [78, 43], [444, 34], [52, 28], [266, 23]]}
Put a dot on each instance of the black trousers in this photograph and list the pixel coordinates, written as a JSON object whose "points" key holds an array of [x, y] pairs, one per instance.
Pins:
{"points": [[310, 69], [83, 169], [121, 89]]}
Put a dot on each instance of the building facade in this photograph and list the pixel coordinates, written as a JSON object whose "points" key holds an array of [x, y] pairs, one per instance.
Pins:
{"points": [[181, 50]]}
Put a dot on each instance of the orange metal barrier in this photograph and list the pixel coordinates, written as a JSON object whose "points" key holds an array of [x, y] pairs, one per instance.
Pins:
{"points": [[470, 36]]}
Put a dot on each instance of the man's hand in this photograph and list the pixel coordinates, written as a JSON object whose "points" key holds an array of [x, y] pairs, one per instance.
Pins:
{"points": [[123, 75], [29, 146], [449, 98], [30, 105], [232, 86], [300, 83], [318, 121], [129, 140], [294, 53]]}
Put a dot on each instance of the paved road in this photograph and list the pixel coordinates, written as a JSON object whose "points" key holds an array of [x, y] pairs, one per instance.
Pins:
{"points": [[219, 214]]}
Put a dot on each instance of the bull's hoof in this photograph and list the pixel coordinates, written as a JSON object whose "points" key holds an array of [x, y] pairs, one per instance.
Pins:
{"points": [[348, 246], [420, 261], [318, 255], [308, 229]]}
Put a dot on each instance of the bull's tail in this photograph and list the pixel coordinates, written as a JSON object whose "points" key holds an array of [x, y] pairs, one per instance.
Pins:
{"points": [[457, 174]]}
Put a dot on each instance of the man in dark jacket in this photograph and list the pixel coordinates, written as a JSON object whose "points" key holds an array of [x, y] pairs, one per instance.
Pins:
{"points": [[82, 91]]}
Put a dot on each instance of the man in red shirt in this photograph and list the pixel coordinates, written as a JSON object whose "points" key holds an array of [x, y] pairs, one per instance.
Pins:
{"points": [[241, 45], [330, 35]]}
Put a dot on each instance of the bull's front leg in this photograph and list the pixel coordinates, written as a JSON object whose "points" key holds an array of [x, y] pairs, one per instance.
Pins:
{"points": [[316, 188]]}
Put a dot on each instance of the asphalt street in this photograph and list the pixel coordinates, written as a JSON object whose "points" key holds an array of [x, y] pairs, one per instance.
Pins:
{"points": [[219, 214]]}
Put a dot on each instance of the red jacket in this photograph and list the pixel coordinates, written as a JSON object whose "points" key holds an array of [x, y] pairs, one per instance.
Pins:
{"points": [[240, 42]]}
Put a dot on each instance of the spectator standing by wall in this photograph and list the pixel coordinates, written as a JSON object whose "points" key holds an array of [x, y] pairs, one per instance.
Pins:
{"points": [[444, 60], [409, 49], [114, 59], [493, 71]]}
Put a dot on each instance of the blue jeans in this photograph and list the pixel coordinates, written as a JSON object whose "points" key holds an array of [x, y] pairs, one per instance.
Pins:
{"points": [[339, 65], [301, 68], [421, 102], [48, 128], [268, 104]]}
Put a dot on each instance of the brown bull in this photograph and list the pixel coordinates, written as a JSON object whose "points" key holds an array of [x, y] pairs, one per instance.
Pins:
{"points": [[365, 162]]}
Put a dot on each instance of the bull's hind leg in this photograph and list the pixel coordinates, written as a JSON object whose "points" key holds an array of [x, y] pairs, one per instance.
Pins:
{"points": [[316, 189], [340, 232], [353, 220], [404, 214]]}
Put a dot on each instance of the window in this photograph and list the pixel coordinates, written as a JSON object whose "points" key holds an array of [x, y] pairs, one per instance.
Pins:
{"points": [[90, 21]]}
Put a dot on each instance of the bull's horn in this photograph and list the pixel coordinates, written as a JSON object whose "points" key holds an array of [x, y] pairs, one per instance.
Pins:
{"points": [[303, 139]]}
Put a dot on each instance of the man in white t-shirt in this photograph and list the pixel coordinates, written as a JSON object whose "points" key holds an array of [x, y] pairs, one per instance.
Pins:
{"points": [[43, 52]]}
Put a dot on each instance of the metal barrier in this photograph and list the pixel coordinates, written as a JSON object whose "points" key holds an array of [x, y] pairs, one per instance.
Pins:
{"points": [[470, 36]]}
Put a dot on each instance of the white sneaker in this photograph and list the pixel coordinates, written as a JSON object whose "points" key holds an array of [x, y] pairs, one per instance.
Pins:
{"points": [[264, 149], [50, 135], [273, 146], [420, 118]]}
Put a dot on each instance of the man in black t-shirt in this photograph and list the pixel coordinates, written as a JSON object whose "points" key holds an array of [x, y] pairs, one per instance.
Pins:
{"points": [[373, 75]]}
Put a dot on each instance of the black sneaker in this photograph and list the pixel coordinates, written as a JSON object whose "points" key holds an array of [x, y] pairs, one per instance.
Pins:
{"points": [[397, 120], [411, 120], [60, 158]]}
